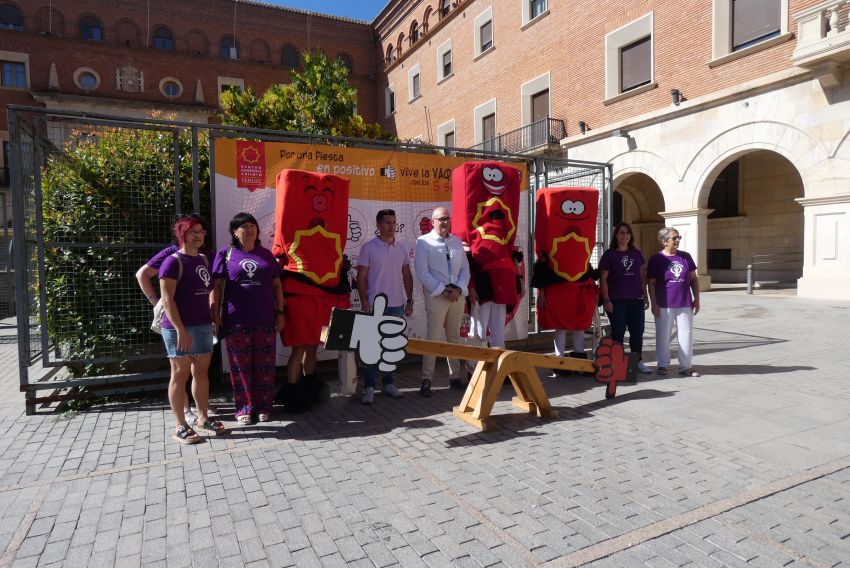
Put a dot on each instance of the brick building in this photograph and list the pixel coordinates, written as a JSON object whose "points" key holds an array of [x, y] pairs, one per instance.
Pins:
{"points": [[133, 57], [727, 119]]}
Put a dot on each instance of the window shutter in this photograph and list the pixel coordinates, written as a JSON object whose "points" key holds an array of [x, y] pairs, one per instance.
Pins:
{"points": [[636, 64], [487, 36], [754, 19], [540, 106], [488, 127]]}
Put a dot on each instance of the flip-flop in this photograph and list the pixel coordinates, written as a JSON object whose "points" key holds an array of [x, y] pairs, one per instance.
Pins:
{"points": [[185, 435], [214, 428]]}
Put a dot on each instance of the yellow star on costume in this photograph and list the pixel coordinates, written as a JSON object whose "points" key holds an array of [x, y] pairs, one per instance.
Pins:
{"points": [[250, 154], [316, 240], [575, 252], [480, 213]]}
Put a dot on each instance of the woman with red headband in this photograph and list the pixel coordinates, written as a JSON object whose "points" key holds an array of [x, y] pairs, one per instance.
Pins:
{"points": [[185, 285]]}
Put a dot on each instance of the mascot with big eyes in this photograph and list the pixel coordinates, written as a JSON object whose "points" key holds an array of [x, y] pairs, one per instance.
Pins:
{"points": [[485, 210], [564, 237], [311, 224]]}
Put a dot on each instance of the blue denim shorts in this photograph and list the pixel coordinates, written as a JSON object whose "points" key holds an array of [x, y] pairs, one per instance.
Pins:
{"points": [[202, 340]]}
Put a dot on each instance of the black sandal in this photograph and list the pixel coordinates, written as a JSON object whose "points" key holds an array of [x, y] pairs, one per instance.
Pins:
{"points": [[214, 428], [185, 435]]}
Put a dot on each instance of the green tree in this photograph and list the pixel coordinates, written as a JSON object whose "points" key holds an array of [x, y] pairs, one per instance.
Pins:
{"points": [[319, 100], [106, 197]]}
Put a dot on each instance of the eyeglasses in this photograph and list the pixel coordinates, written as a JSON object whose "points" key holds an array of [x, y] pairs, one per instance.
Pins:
{"points": [[674, 239], [441, 219], [197, 232]]}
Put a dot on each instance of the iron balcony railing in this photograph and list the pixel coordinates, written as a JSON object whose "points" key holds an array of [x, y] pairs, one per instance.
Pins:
{"points": [[531, 136]]}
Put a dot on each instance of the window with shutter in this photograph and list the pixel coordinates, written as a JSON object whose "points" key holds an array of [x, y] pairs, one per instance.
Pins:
{"points": [[636, 64], [486, 34], [754, 21]]}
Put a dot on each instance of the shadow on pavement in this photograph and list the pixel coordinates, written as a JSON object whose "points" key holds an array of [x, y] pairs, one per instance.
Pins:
{"points": [[513, 424]]}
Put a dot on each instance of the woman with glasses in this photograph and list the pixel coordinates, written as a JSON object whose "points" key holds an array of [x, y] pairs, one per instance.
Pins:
{"points": [[622, 282], [250, 312], [185, 285], [674, 296], [144, 277]]}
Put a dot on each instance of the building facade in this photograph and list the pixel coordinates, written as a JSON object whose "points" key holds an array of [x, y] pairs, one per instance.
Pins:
{"points": [[727, 119], [135, 57]]}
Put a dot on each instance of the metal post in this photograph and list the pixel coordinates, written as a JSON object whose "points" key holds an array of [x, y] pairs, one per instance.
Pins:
{"points": [[196, 190], [19, 251], [749, 279]]}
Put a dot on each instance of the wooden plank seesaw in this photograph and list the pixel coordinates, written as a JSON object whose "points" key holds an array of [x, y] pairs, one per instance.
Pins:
{"points": [[610, 366]]}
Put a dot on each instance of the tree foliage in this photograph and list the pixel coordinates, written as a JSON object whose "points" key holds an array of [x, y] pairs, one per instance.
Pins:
{"points": [[318, 100], [107, 196]]}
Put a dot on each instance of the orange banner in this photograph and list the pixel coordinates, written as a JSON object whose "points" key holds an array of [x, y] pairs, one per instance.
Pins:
{"points": [[387, 175]]}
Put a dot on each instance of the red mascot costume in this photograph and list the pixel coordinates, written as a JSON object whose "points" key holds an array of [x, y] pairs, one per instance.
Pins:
{"points": [[311, 224], [485, 213], [564, 237]]}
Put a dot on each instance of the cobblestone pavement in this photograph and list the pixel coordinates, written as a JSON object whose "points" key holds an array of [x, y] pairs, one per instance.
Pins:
{"points": [[748, 465]]}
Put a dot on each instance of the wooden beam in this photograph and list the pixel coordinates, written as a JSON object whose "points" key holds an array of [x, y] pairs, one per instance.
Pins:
{"points": [[452, 350]]}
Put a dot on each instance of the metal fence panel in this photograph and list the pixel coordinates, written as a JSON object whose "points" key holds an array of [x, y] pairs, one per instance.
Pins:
{"points": [[94, 198]]}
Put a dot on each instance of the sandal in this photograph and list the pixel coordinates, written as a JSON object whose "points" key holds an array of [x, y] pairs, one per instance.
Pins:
{"points": [[244, 419], [212, 427], [185, 435]]}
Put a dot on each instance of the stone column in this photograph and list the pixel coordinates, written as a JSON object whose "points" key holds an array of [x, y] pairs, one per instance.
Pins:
{"points": [[692, 225], [826, 247]]}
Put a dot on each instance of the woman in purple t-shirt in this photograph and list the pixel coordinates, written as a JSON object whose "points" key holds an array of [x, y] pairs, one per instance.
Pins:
{"points": [[672, 276], [185, 285], [251, 315], [622, 281]]}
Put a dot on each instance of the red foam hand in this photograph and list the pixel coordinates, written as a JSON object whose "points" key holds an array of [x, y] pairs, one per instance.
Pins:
{"points": [[612, 364]]}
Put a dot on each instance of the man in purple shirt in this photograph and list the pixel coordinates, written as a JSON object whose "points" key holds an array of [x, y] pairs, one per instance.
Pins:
{"points": [[383, 267]]}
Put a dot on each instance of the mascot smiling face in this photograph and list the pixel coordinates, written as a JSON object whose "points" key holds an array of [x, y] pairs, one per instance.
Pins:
{"points": [[485, 207], [565, 230], [311, 223]]}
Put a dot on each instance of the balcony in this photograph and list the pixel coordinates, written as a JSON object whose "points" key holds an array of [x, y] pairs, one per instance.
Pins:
{"points": [[823, 41], [535, 138]]}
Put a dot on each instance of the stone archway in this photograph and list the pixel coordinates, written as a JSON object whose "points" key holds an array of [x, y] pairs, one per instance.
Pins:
{"points": [[753, 195], [638, 201]]}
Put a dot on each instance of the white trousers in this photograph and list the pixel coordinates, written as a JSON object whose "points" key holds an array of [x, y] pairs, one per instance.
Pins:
{"points": [[684, 319], [444, 318], [561, 342], [491, 316]]}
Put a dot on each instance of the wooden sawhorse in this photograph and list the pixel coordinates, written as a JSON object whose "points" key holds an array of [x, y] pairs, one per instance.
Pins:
{"points": [[494, 366]]}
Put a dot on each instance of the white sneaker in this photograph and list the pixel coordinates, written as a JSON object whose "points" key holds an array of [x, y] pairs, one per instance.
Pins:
{"points": [[392, 391], [368, 396], [643, 369], [191, 417]]}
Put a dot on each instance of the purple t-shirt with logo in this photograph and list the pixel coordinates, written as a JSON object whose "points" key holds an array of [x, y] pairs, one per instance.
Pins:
{"points": [[193, 288], [672, 276], [249, 288], [624, 282]]}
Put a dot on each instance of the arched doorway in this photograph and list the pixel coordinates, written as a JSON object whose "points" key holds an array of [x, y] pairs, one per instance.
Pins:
{"points": [[755, 219], [637, 201]]}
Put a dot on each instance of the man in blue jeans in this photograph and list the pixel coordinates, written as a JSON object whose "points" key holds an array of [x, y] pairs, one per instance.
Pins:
{"points": [[383, 267]]}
